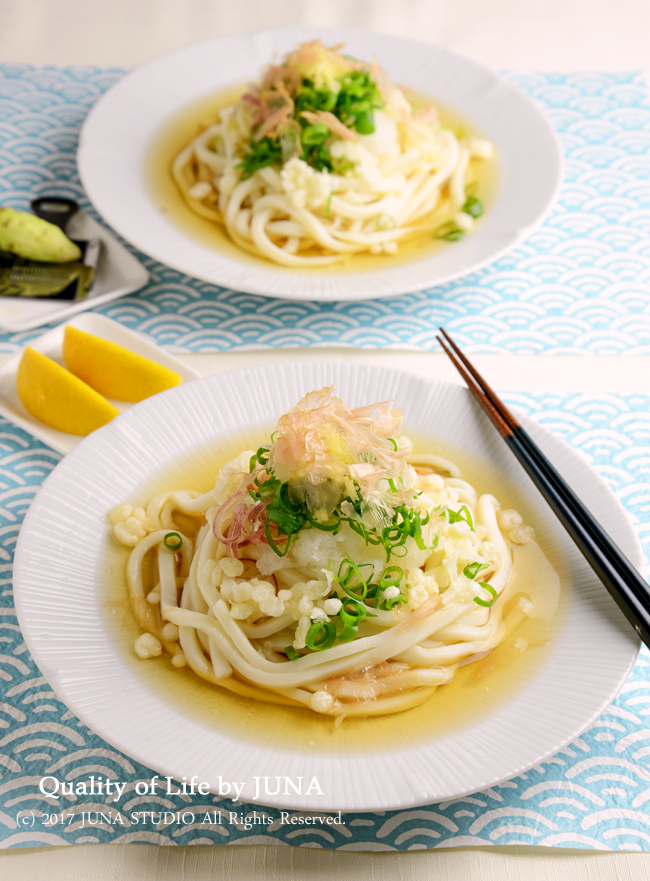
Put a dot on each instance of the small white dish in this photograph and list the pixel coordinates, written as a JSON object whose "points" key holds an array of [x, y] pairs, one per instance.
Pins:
{"points": [[71, 598], [117, 137], [118, 273], [51, 344]]}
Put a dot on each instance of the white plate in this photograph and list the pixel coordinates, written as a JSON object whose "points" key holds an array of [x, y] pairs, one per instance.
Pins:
{"points": [[119, 130], [118, 273], [61, 593], [51, 344]]}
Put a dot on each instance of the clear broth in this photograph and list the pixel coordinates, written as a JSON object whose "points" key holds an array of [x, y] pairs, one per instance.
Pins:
{"points": [[478, 690], [182, 127]]}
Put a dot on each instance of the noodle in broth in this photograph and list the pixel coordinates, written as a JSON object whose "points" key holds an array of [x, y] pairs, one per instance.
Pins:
{"points": [[325, 159], [333, 569]]}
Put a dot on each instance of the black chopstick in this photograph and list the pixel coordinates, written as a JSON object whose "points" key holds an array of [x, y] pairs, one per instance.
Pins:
{"points": [[624, 583]]}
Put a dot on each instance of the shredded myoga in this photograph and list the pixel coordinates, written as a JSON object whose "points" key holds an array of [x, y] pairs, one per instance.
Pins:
{"points": [[326, 158], [333, 568]]}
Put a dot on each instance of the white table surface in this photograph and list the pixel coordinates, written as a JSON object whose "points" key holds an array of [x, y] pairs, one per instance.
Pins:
{"points": [[525, 34]]}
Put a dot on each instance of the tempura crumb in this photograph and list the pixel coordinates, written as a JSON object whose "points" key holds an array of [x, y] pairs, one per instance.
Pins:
{"points": [[322, 701], [130, 524], [509, 518], [170, 632], [521, 534], [147, 646]]}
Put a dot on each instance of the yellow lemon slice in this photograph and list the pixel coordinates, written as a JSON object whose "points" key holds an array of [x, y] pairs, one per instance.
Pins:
{"points": [[113, 370], [57, 398]]}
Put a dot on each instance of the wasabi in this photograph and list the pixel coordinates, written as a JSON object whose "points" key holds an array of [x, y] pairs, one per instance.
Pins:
{"points": [[35, 239]]}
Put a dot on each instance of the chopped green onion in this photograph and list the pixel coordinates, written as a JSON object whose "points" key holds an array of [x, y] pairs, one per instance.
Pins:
{"points": [[473, 207], [344, 577], [173, 541], [342, 166], [391, 577], [321, 636], [272, 544], [265, 489], [260, 154], [314, 134], [385, 221], [389, 604], [393, 442], [472, 569], [351, 614], [449, 231], [352, 611], [365, 123], [289, 517], [261, 456], [391, 484], [348, 632], [463, 514], [331, 525], [369, 536], [291, 653], [490, 590], [284, 496]]}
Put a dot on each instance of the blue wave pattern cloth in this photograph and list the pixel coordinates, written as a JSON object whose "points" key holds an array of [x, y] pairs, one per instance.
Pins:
{"points": [[577, 285], [593, 794]]}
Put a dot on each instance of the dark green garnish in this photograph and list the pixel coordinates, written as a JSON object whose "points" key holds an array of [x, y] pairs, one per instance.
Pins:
{"points": [[353, 104], [260, 154], [356, 101]]}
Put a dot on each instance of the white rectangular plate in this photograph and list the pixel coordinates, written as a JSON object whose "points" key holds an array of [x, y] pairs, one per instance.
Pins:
{"points": [[51, 344]]}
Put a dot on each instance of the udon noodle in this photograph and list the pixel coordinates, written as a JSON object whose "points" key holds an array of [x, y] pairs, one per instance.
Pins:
{"points": [[333, 568], [325, 158]]}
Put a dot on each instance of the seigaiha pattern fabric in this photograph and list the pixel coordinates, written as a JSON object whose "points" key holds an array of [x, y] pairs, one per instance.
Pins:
{"points": [[593, 794], [577, 285]]}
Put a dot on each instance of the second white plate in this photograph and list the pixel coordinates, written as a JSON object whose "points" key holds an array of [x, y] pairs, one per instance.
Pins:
{"points": [[116, 140]]}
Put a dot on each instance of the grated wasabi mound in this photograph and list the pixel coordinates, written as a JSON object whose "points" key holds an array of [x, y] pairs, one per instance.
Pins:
{"points": [[35, 239]]}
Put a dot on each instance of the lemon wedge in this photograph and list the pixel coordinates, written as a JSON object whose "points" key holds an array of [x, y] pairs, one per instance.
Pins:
{"points": [[113, 370], [57, 398]]}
